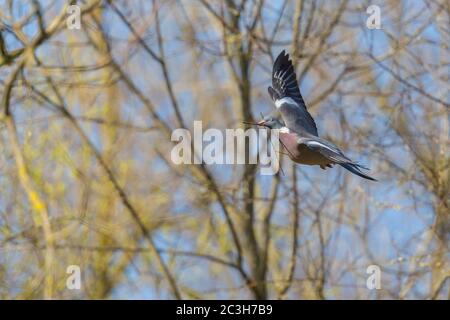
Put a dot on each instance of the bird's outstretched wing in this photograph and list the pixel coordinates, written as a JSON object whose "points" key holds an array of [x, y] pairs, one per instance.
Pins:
{"points": [[286, 95], [331, 152]]}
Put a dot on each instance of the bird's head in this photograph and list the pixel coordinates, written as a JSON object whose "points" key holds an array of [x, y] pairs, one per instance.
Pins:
{"points": [[270, 122]]}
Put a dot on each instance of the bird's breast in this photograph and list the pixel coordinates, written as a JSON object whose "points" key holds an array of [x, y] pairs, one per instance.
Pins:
{"points": [[300, 153]]}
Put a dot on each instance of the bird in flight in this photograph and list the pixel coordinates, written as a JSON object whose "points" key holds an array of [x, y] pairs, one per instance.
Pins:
{"points": [[298, 131]]}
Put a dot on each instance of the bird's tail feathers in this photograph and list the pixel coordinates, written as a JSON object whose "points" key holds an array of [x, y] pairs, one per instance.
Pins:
{"points": [[353, 168], [361, 166]]}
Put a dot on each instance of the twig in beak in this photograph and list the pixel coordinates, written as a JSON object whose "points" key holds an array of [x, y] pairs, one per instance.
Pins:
{"points": [[255, 124]]}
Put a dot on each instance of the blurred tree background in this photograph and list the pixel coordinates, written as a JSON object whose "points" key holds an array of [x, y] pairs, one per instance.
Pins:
{"points": [[85, 171]]}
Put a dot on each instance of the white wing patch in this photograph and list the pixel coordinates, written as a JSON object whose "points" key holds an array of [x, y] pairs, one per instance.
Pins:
{"points": [[284, 130], [280, 102], [317, 143]]}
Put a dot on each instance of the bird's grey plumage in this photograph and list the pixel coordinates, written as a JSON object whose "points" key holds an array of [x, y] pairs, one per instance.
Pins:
{"points": [[301, 138], [313, 150], [325, 148], [286, 94], [331, 152]]}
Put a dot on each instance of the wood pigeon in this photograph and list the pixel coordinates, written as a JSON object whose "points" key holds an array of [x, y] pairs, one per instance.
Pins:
{"points": [[298, 131]]}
